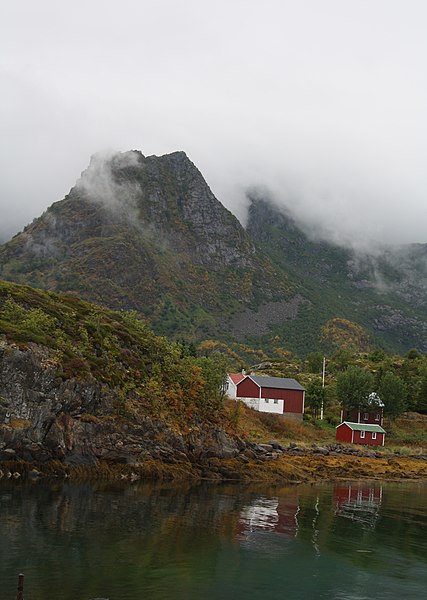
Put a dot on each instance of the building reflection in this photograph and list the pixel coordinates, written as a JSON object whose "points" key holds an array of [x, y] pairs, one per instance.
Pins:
{"points": [[358, 501], [268, 515]]}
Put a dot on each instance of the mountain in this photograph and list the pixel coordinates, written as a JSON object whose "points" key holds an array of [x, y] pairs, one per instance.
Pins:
{"points": [[147, 234], [384, 292]]}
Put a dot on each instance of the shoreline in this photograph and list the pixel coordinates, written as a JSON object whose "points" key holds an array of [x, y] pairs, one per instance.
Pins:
{"points": [[292, 468]]}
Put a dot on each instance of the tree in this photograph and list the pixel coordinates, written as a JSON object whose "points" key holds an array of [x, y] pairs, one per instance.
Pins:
{"points": [[394, 393], [341, 359], [354, 387], [377, 355], [315, 396], [213, 372], [315, 362]]}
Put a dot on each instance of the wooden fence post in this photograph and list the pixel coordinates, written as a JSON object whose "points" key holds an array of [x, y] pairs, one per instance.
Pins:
{"points": [[20, 594]]}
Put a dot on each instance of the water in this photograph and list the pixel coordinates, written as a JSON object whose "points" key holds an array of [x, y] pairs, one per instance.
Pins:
{"points": [[214, 542]]}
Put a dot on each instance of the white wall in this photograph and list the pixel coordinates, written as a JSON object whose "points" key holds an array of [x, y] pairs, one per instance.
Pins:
{"points": [[262, 406], [231, 389], [251, 402], [271, 406]]}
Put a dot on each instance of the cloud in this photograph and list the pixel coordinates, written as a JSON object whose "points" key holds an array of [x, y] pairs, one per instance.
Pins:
{"points": [[321, 102], [100, 184]]}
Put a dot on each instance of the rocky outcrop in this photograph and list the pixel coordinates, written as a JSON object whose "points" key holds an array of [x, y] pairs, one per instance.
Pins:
{"points": [[44, 418]]}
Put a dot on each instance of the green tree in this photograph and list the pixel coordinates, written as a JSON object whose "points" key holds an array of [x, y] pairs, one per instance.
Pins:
{"points": [[186, 349], [213, 372], [394, 393], [354, 387], [315, 362], [315, 395], [377, 355], [341, 360]]}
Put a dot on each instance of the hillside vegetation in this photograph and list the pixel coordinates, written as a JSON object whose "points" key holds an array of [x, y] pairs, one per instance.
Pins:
{"points": [[149, 374], [381, 294], [90, 392]]}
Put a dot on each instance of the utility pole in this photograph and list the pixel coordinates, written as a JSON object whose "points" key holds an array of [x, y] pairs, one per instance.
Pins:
{"points": [[323, 385]]}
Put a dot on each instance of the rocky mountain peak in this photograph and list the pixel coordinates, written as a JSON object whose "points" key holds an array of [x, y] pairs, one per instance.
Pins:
{"points": [[146, 233]]}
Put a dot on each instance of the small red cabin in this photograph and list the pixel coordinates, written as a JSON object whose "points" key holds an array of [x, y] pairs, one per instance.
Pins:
{"points": [[359, 433]]}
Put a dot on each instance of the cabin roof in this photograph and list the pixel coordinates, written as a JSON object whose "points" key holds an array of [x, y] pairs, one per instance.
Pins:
{"points": [[281, 383], [236, 377], [363, 427]]}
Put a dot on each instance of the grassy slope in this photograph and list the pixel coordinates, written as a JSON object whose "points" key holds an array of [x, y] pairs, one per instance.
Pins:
{"points": [[407, 434]]}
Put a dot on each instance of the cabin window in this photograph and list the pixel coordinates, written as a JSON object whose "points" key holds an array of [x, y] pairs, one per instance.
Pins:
{"points": [[366, 416], [377, 417], [374, 435], [266, 400], [276, 401], [362, 434]]}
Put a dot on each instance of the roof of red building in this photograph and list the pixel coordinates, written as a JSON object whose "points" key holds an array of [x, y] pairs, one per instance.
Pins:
{"points": [[236, 377], [362, 427], [281, 383]]}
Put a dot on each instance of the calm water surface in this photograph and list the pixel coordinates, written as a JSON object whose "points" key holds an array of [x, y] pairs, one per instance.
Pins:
{"points": [[214, 542]]}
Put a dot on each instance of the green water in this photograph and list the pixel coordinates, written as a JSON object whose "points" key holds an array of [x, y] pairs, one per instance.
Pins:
{"points": [[214, 542]]}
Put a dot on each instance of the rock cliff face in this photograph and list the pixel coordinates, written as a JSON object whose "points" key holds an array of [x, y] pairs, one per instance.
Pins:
{"points": [[81, 384], [43, 418]]}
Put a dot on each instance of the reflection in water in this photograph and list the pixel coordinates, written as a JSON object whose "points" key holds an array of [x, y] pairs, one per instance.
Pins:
{"points": [[275, 515], [278, 515], [315, 536], [358, 501], [214, 542]]}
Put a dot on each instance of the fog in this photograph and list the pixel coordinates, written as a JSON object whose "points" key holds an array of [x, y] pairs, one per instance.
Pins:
{"points": [[321, 103]]}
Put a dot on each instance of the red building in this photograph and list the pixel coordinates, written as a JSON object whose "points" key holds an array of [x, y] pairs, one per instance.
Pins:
{"points": [[372, 414], [277, 395], [366, 417], [359, 433]]}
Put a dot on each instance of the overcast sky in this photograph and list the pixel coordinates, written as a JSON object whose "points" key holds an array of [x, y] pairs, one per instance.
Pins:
{"points": [[324, 102]]}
